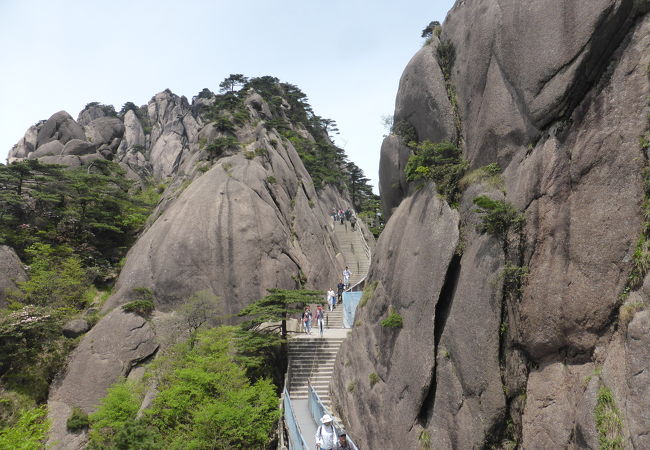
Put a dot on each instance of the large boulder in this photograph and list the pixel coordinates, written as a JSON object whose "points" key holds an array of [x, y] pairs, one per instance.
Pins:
{"points": [[60, 127], [91, 112], [11, 272], [78, 147], [24, 146], [411, 283], [104, 130], [393, 186], [109, 351], [52, 148]]}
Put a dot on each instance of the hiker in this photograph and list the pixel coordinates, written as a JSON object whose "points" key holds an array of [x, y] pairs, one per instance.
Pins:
{"points": [[331, 299], [340, 288], [306, 320], [320, 316], [346, 277], [348, 214], [341, 216], [353, 222], [343, 443], [326, 434]]}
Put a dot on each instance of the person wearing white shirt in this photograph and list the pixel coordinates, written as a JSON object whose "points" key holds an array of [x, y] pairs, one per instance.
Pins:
{"points": [[326, 434]]}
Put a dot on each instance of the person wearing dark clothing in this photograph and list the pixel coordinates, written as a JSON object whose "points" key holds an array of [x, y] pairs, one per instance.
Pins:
{"points": [[342, 443], [339, 289]]}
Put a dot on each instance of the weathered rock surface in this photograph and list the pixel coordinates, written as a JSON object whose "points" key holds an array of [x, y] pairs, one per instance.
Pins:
{"points": [[556, 94], [75, 328], [393, 186], [60, 127], [411, 282], [11, 272], [104, 130], [114, 346]]}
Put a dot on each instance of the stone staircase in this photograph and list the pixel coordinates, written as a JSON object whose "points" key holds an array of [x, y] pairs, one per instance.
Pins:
{"points": [[313, 359], [352, 247]]}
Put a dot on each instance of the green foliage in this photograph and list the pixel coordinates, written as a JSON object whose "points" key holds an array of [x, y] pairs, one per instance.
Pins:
{"points": [[490, 174], [12, 404], [424, 439], [446, 58], [57, 278], [140, 307], [78, 420], [394, 320], [352, 386], [220, 145], [608, 421], [626, 312], [368, 292], [202, 308], [640, 262], [32, 349], [373, 378], [233, 81], [499, 217], [513, 277], [405, 131], [118, 408], [91, 210], [441, 163], [431, 29], [204, 401], [271, 179], [29, 431], [260, 336]]}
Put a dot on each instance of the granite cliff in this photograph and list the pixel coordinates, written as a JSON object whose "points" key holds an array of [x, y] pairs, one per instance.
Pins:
{"points": [[239, 214], [528, 340]]}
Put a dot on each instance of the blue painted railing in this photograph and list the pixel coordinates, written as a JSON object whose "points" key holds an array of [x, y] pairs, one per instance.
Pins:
{"points": [[350, 303], [296, 439], [318, 410]]}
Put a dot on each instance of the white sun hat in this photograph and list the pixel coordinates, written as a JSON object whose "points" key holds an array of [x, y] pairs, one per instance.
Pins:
{"points": [[326, 418]]}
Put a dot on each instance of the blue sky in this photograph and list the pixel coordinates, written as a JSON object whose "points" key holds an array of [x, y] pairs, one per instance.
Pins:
{"points": [[347, 56]]}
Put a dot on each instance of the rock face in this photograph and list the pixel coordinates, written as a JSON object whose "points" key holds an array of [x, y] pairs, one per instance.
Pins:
{"points": [[411, 283], [556, 95], [11, 272], [109, 351], [235, 224]]}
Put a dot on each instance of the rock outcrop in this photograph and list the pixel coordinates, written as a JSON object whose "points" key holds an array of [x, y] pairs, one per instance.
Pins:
{"points": [[11, 272], [556, 95], [234, 223]]}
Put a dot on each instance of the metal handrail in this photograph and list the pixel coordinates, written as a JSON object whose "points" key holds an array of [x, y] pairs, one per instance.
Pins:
{"points": [[318, 409], [368, 253]]}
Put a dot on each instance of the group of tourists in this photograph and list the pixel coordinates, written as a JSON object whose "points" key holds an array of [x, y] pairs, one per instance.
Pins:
{"points": [[332, 299], [326, 438], [339, 215]]}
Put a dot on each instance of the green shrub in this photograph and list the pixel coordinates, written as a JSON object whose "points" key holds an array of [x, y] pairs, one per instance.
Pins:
{"points": [[352, 386], [116, 410], [640, 262], [424, 440], [271, 179], [219, 146], [608, 421], [78, 420], [140, 307], [373, 378], [405, 131], [626, 312], [513, 277], [12, 404], [249, 155], [368, 292], [28, 432], [499, 217], [491, 174], [394, 320], [441, 163]]}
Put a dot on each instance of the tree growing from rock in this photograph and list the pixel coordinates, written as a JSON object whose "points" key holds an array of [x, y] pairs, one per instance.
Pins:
{"points": [[201, 308], [230, 83]]}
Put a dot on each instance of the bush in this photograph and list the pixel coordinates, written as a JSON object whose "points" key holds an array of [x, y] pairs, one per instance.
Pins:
{"points": [[219, 146], [491, 174], [405, 131], [626, 312], [116, 410], [499, 217], [78, 420], [373, 378], [368, 292], [140, 307], [271, 180], [393, 320], [28, 432], [441, 163], [608, 421]]}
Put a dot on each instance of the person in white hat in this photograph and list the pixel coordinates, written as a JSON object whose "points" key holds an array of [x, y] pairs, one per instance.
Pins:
{"points": [[326, 434]]}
